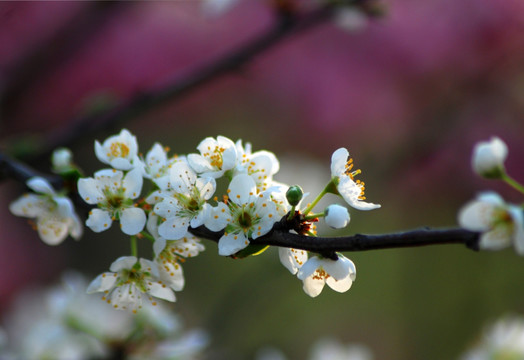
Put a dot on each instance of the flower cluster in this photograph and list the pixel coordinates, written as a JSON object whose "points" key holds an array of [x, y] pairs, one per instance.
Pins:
{"points": [[501, 224], [65, 323], [182, 198]]}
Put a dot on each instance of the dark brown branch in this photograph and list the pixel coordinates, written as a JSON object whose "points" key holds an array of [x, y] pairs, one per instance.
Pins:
{"points": [[14, 169], [328, 245], [144, 101]]}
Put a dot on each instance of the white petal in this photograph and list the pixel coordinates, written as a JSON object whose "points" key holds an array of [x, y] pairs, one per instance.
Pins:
{"points": [[121, 164], [132, 183], [242, 188], [40, 185], [52, 231], [172, 275], [132, 221], [351, 191], [99, 220], [161, 292], [496, 239], [477, 215], [313, 287], [174, 228], [76, 229], [28, 205], [292, 259], [122, 263], [206, 187], [338, 269], [232, 243], [199, 163], [101, 153], [338, 162], [159, 245], [102, 282], [168, 207], [217, 217], [309, 268], [518, 231], [88, 190], [229, 158], [182, 177], [341, 285]]}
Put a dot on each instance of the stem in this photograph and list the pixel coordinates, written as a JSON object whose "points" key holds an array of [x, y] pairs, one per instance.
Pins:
{"points": [[317, 199], [134, 249], [314, 216], [292, 213], [513, 183]]}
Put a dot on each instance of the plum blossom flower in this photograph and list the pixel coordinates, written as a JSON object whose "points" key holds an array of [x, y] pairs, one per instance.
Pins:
{"points": [[156, 164], [502, 340], [501, 224], [114, 193], [130, 283], [184, 203], [343, 177], [292, 259], [119, 151], [245, 216], [215, 158], [316, 272], [54, 213], [488, 158], [336, 216]]}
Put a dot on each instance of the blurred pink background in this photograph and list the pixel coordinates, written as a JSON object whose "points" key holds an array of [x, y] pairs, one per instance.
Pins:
{"points": [[408, 94]]}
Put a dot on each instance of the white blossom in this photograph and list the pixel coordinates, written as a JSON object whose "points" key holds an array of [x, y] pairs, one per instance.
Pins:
{"points": [[131, 283], [54, 213], [246, 216], [503, 340], [114, 193], [119, 151], [184, 203], [488, 158], [156, 164], [215, 158], [336, 216], [343, 176], [316, 272], [501, 224]]}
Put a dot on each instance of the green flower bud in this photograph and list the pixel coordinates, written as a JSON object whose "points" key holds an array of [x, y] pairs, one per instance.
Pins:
{"points": [[294, 195]]}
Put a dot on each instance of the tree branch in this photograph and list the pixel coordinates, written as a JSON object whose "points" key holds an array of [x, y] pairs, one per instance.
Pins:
{"points": [[359, 242]]}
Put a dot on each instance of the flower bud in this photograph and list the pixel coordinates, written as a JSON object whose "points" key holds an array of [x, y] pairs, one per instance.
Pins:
{"points": [[336, 216], [294, 194], [488, 158], [62, 160]]}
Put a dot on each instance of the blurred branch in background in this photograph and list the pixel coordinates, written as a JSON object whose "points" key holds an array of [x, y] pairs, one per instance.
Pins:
{"points": [[287, 24]]}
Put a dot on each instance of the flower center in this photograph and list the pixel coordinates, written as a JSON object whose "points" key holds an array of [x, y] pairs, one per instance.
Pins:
{"points": [[244, 220], [320, 274], [215, 157], [348, 171], [118, 149]]}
